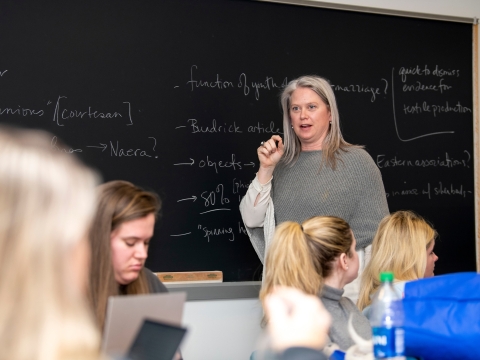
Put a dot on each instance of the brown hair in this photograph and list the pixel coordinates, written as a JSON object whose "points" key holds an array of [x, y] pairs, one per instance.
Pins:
{"points": [[118, 202], [301, 256]]}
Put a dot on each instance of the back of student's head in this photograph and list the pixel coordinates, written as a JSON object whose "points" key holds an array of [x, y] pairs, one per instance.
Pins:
{"points": [[399, 246], [118, 202], [47, 200], [302, 256]]}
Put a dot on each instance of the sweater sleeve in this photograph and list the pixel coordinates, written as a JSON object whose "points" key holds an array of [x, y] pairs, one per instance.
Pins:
{"points": [[371, 206], [254, 215]]}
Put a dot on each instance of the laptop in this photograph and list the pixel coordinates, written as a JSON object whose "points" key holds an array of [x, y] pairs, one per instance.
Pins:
{"points": [[126, 314], [156, 341]]}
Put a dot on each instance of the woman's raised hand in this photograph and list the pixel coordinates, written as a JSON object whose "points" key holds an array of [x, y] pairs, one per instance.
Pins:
{"points": [[269, 154]]}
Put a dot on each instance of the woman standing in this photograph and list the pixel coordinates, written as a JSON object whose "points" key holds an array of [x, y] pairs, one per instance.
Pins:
{"points": [[312, 171], [119, 239]]}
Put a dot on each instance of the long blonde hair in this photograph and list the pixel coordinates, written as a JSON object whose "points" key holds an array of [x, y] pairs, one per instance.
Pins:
{"points": [[47, 200], [399, 246], [333, 142], [302, 256], [118, 202]]}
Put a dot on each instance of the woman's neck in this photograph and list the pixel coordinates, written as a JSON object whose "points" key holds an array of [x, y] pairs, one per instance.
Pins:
{"points": [[336, 281]]}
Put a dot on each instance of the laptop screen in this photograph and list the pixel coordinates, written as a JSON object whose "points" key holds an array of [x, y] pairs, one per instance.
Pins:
{"points": [[156, 341]]}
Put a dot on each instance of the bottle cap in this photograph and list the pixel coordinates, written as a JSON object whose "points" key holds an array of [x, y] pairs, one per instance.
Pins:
{"points": [[386, 276]]}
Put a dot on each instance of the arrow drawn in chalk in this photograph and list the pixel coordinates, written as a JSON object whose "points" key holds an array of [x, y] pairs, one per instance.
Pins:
{"points": [[103, 147]]}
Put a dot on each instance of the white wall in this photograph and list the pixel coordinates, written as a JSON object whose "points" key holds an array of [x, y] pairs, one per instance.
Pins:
{"points": [[227, 330]]}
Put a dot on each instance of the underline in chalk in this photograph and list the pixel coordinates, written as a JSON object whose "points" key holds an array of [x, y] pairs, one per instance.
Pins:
{"points": [[182, 234], [178, 127], [213, 210]]}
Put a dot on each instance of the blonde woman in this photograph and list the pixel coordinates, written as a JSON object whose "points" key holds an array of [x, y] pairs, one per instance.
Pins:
{"points": [[319, 258], [403, 245], [47, 200], [312, 171]]}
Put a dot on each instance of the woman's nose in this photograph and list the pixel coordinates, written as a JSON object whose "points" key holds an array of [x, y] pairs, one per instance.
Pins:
{"points": [[303, 113], [141, 251]]}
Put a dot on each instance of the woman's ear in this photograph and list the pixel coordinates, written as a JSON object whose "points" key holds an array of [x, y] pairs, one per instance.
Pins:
{"points": [[343, 261]]}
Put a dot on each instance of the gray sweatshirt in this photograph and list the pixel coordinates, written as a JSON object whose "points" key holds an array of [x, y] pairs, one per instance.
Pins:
{"points": [[340, 308]]}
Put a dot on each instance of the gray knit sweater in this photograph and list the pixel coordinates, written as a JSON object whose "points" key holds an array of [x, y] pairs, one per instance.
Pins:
{"points": [[340, 308], [354, 192]]}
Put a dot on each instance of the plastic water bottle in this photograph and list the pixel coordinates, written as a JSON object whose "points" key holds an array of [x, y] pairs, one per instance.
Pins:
{"points": [[386, 318]]}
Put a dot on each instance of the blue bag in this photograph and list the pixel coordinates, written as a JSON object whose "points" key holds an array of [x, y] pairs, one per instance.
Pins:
{"points": [[442, 317]]}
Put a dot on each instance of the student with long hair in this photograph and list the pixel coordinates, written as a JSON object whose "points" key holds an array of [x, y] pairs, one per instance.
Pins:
{"points": [[47, 201], [404, 245], [319, 258], [119, 238]]}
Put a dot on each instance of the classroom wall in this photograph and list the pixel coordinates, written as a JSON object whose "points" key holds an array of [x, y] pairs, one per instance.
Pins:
{"points": [[228, 329]]}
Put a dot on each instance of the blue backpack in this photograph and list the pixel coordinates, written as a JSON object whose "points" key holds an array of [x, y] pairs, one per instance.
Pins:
{"points": [[442, 317]]}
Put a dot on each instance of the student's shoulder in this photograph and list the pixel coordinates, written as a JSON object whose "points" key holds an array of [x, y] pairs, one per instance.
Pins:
{"points": [[154, 283]]}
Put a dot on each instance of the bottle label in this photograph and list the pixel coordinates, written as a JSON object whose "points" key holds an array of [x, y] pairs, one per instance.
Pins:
{"points": [[388, 342]]}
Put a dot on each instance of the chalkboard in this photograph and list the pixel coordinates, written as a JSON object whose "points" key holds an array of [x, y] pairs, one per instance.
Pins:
{"points": [[176, 95]]}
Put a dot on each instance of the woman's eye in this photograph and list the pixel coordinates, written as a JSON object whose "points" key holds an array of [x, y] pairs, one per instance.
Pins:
{"points": [[130, 243], [294, 108], [311, 107]]}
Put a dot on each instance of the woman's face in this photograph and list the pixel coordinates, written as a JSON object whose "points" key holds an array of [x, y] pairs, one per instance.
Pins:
{"points": [[431, 259], [129, 244], [352, 262], [310, 118]]}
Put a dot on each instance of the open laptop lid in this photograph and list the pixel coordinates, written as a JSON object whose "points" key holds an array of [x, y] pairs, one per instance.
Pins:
{"points": [[125, 316], [156, 341]]}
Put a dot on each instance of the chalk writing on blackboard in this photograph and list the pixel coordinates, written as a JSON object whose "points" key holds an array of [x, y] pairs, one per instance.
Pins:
{"points": [[196, 127], [216, 232], [374, 91], [425, 71], [53, 144], [216, 165], [247, 87], [60, 114], [21, 111], [396, 122], [436, 109], [446, 160]]}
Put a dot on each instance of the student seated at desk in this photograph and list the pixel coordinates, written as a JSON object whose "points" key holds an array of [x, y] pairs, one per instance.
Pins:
{"points": [[119, 239], [404, 245], [318, 257], [47, 202]]}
